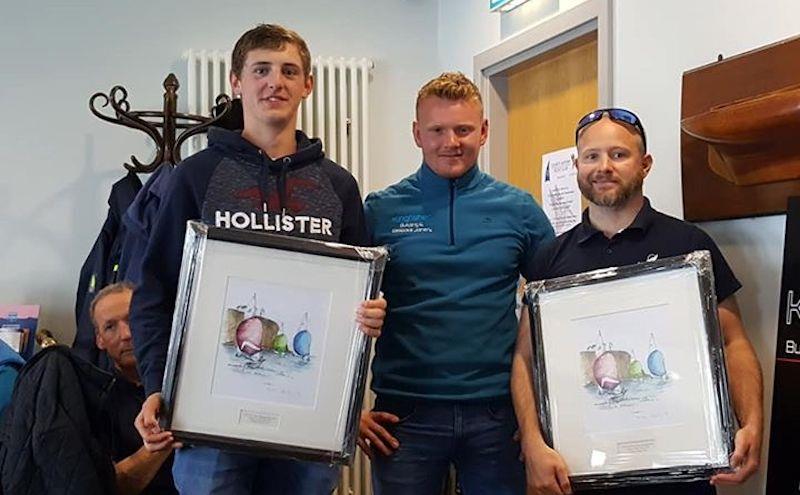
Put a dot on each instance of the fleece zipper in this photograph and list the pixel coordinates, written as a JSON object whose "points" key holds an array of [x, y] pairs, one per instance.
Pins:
{"points": [[452, 212]]}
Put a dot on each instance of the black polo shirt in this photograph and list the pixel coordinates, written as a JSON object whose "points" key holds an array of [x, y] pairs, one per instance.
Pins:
{"points": [[652, 235], [125, 402]]}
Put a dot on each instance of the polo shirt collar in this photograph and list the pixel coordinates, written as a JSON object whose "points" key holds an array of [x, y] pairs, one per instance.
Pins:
{"points": [[643, 220]]}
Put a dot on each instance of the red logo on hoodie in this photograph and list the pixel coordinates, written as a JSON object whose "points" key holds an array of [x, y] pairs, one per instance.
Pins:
{"points": [[293, 187]]}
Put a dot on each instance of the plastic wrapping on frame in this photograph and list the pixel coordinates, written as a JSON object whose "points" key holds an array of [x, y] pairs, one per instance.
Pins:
{"points": [[359, 356], [721, 406], [197, 234], [193, 248]]}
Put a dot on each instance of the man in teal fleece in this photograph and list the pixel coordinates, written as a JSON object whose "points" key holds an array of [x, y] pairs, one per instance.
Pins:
{"points": [[458, 241]]}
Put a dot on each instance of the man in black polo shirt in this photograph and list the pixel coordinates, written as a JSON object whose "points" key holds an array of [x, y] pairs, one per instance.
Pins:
{"points": [[138, 471], [621, 228]]}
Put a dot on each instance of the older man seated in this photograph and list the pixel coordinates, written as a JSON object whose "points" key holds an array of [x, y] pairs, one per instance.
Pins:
{"points": [[137, 469]]}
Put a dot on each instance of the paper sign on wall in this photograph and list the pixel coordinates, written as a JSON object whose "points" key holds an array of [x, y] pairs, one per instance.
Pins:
{"points": [[561, 198]]}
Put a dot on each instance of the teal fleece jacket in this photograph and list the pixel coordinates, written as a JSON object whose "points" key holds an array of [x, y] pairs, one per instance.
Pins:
{"points": [[457, 248]]}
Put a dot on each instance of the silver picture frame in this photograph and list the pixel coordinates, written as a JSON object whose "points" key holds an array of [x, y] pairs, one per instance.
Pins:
{"points": [[629, 372], [265, 355]]}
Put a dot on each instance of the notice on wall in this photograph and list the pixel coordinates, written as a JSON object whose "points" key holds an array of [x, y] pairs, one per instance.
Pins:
{"points": [[561, 198]]}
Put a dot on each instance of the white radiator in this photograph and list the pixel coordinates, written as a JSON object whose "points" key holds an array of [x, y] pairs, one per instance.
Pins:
{"points": [[337, 111]]}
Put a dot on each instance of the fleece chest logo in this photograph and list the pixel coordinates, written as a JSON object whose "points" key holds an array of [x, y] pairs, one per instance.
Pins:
{"points": [[411, 224], [273, 222]]}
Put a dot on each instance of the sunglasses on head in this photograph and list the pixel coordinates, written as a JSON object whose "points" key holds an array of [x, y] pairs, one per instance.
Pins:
{"points": [[616, 114]]}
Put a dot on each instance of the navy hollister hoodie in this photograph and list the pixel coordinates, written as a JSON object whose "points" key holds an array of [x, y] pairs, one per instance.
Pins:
{"points": [[233, 184]]}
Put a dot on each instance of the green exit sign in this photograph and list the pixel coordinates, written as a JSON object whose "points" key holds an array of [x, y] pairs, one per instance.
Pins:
{"points": [[504, 5]]}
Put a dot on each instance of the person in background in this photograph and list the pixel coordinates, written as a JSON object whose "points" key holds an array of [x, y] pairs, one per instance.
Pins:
{"points": [[138, 471], [10, 364]]}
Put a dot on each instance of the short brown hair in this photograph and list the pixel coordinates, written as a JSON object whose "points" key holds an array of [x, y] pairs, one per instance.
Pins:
{"points": [[270, 37], [107, 291], [450, 86]]}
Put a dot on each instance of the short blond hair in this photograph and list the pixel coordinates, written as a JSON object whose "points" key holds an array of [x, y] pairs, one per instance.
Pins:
{"points": [[450, 86]]}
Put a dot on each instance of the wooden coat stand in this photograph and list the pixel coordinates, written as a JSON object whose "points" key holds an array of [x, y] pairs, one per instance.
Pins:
{"points": [[161, 126]]}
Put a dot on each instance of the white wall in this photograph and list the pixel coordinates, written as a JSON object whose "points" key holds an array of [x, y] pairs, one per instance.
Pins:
{"points": [[654, 43], [466, 27], [59, 161], [527, 14]]}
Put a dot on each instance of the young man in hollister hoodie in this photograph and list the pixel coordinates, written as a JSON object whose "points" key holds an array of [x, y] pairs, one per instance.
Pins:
{"points": [[267, 177]]}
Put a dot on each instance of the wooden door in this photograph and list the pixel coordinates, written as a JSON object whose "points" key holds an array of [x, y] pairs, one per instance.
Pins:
{"points": [[546, 97]]}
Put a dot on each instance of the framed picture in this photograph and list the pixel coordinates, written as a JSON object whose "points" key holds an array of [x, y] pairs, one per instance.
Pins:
{"points": [[629, 372], [18, 324], [265, 354]]}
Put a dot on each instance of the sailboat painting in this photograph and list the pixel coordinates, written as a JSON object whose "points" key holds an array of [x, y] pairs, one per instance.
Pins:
{"points": [[627, 368], [271, 342], [615, 375]]}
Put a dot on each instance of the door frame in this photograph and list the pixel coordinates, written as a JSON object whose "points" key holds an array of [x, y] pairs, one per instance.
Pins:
{"points": [[491, 68]]}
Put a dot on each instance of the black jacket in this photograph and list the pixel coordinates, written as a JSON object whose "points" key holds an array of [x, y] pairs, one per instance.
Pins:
{"points": [[100, 267], [54, 434]]}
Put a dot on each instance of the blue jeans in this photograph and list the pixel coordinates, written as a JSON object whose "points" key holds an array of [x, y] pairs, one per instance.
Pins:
{"points": [[476, 437], [203, 470]]}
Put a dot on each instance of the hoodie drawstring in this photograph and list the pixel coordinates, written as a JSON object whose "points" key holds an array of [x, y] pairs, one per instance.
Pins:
{"points": [[285, 162]]}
